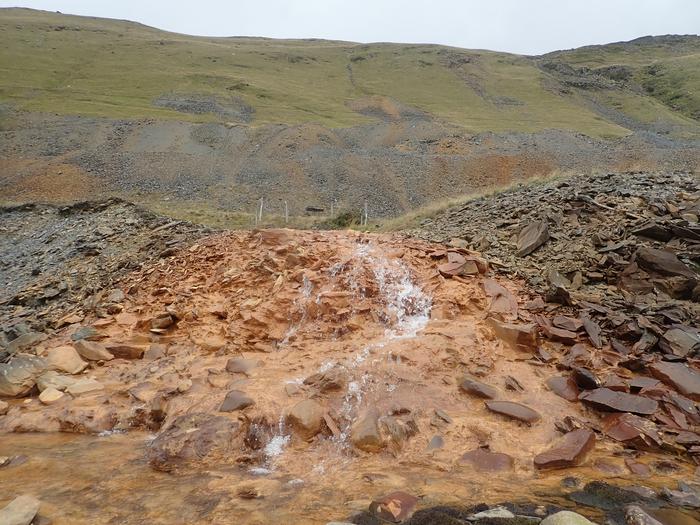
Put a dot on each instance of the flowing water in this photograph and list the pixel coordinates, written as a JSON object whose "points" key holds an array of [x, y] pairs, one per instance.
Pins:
{"points": [[403, 353]]}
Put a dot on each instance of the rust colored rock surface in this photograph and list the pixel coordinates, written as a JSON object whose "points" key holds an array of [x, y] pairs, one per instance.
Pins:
{"points": [[487, 461], [610, 400]]}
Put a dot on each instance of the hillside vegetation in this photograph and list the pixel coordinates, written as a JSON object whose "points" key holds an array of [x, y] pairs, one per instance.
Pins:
{"points": [[71, 65]]}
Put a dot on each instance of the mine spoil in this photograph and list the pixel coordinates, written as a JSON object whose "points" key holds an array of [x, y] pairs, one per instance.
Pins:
{"points": [[532, 359]]}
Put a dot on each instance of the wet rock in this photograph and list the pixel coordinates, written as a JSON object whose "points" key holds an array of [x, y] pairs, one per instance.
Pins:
{"points": [[637, 468], [484, 460], [306, 417], [682, 341], [566, 517], [514, 410], [84, 386], [477, 388], [532, 237], [53, 379], [65, 359], [239, 365], [634, 515], [194, 439], [50, 396], [520, 336], [585, 379], [20, 511], [605, 496], [571, 452], [606, 399], [235, 400], [679, 376], [633, 431], [18, 376], [93, 351], [395, 507], [365, 433]]}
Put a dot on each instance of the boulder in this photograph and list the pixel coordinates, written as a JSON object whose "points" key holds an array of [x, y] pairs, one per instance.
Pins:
{"points": [[235, 400], [20, 511], [365, 434], [395, 507], [65, 359], [566, 517], [19, 375], [306, 418], [679, 376], [514, 411], [571, 452], [195, 439], [92, 351], [50, 396], [477, 388], [484, 460], [531, 237], [610, 400]]}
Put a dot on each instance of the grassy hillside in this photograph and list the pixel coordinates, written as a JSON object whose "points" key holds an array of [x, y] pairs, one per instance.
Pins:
{"points": [[77, 65]]}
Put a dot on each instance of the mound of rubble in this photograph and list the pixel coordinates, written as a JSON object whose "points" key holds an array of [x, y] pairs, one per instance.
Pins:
{"points": [[57, 260]]}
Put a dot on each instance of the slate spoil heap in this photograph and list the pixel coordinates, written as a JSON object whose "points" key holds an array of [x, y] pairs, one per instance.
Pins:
{"points": [[611, 262]]}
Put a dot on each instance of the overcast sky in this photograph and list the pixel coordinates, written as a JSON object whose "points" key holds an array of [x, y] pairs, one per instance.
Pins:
{"points": [[519, 26]]}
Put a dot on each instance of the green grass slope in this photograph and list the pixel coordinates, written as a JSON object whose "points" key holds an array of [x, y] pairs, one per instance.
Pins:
{"points": [[63, 64]]}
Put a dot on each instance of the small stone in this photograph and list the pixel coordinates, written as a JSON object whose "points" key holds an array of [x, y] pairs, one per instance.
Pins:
{"points": [[93, 351], [155, 351], [531, 237], [634, 515], [486, 461], [519, 336], [678, 376], [585, 379], [125, 350], [637, 468], [606, 399], [238, 365], [365, 434], [571, 452], [477, 388], [494, 513], [84, 386], [212, 343], [306, 418], [514, 410], [184, 385], [564, 387], [20, 511], [65, 359], [565, 517], [50, 396], [88, 333], [436, 442], [395, 507], [235, 400]]}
